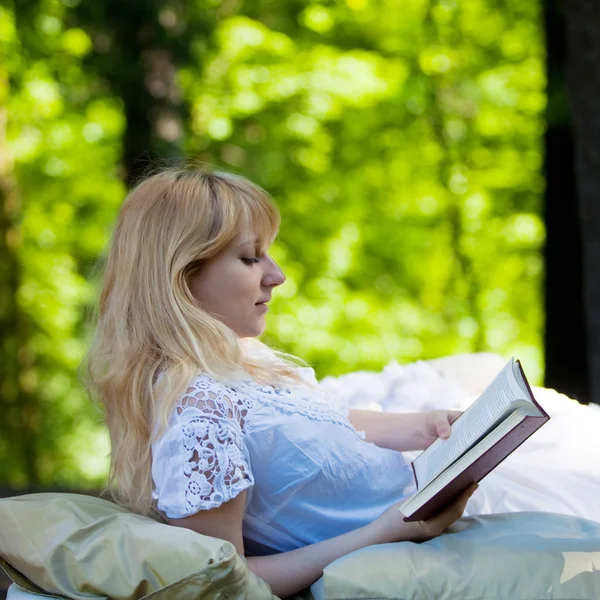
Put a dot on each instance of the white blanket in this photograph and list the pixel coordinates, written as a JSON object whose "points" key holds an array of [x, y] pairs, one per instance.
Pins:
{"points": [[556, 470]]}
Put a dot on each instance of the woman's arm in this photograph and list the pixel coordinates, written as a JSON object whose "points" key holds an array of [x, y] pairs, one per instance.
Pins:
{"points": [[403, 431], [290, 572], [408, 431]]}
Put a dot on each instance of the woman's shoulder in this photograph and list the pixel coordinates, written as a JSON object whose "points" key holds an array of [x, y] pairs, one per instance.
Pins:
{"points": [[205, 383], [210, 396], [237, 398]]}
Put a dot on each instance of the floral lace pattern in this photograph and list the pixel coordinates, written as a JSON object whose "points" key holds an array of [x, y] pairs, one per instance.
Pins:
{"points": [[311, 403], [216, 466], [213, 420]]}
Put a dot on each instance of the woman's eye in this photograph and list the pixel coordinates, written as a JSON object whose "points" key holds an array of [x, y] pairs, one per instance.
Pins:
{"points": [[250, 261]]}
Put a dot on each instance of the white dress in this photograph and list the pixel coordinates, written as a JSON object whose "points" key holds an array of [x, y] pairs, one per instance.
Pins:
{"points": [[308, 473], [310, 476]]}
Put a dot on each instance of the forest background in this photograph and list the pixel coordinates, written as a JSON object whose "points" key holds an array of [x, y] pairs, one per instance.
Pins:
{"points": [[404, 143]]}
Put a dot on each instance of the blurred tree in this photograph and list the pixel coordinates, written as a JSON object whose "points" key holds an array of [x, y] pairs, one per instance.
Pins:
{"points": [[59, 193], [583, 78], [408, 150], [565, 340], [76, 76], [404, 153], [138, 48], [16, 361], [14, 325]]}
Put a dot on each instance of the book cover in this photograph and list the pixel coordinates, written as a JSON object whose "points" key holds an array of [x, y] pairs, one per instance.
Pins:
{"points": [[481, 458]]}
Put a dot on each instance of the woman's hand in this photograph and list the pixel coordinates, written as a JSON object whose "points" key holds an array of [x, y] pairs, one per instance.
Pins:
{"points": [[391, 526], [438, 424], [403, 431]]}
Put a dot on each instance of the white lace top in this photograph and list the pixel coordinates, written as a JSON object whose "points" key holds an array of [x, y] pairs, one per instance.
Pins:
{"points": [[309, 476], [308, 473]]}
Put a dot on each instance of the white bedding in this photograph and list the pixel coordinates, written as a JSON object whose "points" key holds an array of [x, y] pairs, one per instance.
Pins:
{"points": [[556, 470]]}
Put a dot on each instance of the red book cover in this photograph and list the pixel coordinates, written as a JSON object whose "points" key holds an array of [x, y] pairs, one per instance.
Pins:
{"points": [[479, 468], [483, 464]]}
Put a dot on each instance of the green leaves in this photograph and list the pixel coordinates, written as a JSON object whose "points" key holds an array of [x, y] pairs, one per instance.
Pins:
{"points": [[407, 173], [402, 142]]}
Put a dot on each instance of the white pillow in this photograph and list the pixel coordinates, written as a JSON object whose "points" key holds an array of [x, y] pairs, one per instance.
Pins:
{"points": [[16, 592], [516, 556]]}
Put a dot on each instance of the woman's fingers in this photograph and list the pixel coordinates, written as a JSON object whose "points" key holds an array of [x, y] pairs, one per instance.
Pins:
{"points": [[451, 513], [453, 415], [442, 426], [443, 422], [461, 501]]}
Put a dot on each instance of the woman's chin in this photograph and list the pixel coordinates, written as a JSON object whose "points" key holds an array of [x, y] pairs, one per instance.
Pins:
{"points": [[255, 331]]}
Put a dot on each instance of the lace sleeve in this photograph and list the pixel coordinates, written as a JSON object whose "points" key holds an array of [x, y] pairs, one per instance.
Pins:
{"points": [[202, 460]]}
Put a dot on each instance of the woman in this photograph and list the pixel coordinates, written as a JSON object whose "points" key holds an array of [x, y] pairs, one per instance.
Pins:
{"points": [[224, 435]]}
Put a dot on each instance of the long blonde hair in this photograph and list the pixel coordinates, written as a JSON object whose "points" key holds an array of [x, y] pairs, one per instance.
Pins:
{"points": [[149, 324]]}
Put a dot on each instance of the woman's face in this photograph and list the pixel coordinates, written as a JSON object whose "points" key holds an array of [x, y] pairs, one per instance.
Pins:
{"points": [[235, 285]]}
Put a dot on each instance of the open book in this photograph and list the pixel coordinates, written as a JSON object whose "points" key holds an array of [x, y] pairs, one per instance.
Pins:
{"points": [[499, 421]]}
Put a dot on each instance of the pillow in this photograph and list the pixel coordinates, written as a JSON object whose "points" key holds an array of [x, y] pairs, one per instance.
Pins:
{"points": [[516, 556], [84, 547], [16, 592]]}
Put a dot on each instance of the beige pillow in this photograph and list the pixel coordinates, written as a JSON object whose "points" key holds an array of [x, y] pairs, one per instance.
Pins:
{"points": [[517, 556], [84, 547]]}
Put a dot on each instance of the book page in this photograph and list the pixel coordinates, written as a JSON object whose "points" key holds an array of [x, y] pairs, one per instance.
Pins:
{"points": [[496, 402]]}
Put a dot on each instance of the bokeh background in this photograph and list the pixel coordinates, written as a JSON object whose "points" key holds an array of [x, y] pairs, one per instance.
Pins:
{"points": [[405, 143]]}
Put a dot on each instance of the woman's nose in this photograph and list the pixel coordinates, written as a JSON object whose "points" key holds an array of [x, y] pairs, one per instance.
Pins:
{"points": [[274, 275]]}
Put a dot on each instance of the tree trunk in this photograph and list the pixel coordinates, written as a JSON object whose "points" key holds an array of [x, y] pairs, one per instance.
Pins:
{"points": [[583, 80], [18, 425], [565, 339], [138, 47]]}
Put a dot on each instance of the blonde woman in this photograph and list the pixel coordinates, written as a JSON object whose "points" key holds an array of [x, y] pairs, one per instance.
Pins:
{"points": [[224, 435]]}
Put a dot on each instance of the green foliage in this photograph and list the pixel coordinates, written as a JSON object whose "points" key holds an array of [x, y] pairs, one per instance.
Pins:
{"points": [[64, 143], [404, 151], [402, 142]]}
